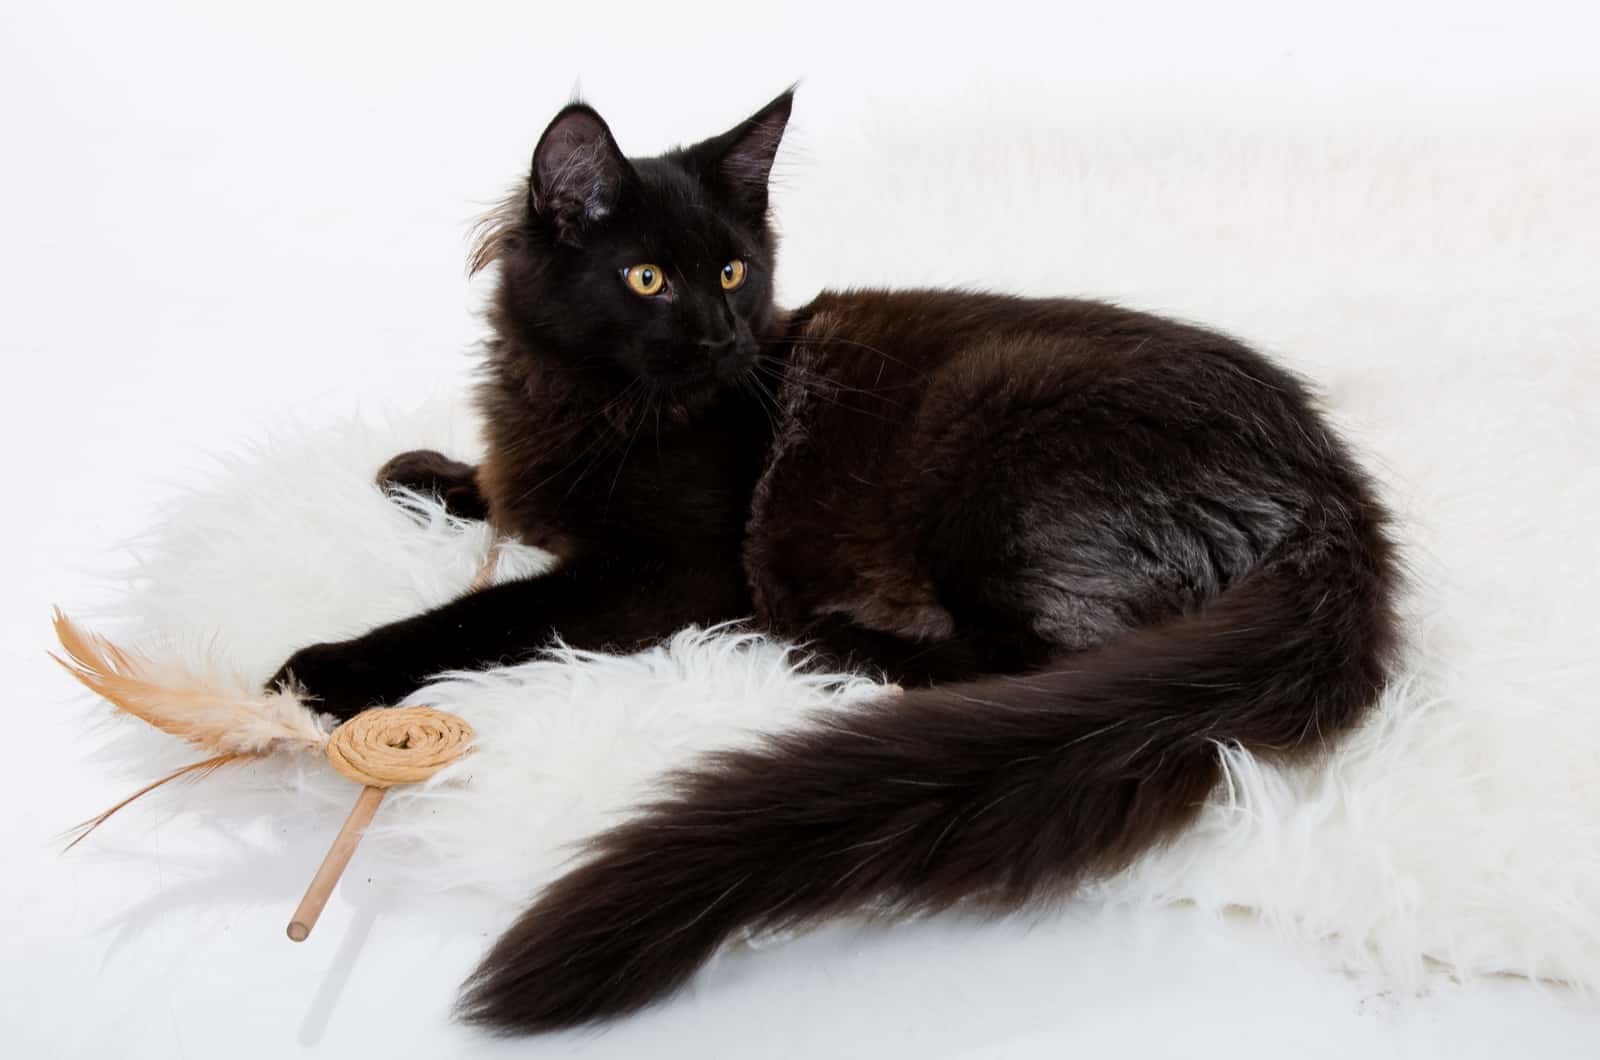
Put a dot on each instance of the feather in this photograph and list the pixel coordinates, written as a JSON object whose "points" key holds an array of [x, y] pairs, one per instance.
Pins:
{"points": [[194, 771], [216, 711]]}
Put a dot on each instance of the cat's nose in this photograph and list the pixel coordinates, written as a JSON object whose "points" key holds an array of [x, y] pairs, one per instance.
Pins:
{"points": [[716, 349]]}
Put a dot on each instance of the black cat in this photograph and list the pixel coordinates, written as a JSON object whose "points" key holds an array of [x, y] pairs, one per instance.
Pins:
{"points": [[1092, 544]]}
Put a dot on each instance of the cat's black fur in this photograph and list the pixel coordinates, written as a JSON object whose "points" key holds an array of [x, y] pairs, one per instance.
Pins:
{"points": [[1092, 544]]}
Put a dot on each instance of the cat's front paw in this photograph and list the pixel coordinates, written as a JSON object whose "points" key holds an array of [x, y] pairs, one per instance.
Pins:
{"points": [[339, 678]]}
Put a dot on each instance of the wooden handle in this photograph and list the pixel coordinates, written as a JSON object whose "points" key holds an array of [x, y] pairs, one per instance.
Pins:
{"points": [[344, 845]]}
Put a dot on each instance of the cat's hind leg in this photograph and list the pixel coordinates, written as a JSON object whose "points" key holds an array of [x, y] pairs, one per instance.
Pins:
{"points": [[429, 472]]}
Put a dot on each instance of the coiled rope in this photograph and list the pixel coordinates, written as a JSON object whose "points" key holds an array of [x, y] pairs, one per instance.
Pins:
{"points": [[398, 745]]}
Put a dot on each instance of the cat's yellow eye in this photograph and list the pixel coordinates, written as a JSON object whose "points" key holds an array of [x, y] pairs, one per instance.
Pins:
{"points": [[645, 280], [733, 275]]}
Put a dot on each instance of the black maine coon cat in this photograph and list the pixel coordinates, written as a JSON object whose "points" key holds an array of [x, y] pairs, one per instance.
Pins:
{"points": [[1091, 544]]}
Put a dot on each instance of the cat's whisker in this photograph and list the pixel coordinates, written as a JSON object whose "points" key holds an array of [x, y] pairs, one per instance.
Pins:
{"points": [[825, 340], [644, 411], [824, 393], [594, 443], [764, 397], [807, 373], [621, 439]]}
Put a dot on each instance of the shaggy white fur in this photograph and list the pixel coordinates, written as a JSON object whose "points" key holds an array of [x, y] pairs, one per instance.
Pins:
{"points": [[1459, 827]]}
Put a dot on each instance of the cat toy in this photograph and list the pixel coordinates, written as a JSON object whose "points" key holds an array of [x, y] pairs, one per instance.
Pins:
{"points": [[377, 749]]}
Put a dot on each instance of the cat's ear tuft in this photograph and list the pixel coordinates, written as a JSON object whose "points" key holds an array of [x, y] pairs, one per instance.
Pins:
{"points": [[739, 162], [578, 172]]}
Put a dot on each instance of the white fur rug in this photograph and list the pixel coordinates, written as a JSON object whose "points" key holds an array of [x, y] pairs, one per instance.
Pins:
{"points": [[1460, 827], [1436, 293]]}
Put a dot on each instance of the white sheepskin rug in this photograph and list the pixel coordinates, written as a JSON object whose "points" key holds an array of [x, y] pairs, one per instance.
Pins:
{"points": [[1459, 830]]}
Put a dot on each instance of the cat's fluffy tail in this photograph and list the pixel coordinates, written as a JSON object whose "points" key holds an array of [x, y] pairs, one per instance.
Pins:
{"points": [[993, 792]]}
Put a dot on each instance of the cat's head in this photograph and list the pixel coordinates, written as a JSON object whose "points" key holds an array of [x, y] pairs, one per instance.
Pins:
{"points": [[653, 269]]}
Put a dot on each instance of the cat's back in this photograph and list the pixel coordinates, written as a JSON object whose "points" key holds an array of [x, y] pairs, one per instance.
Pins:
{"points": [[927, 327], [1060, 340], [900, 353], [1082, 427], [937, 322]]}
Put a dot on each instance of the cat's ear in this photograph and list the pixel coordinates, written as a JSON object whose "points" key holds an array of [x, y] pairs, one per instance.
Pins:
{"points": [[578, 172], [739, 162]]}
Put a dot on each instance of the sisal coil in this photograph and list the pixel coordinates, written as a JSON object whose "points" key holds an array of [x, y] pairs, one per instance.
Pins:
{"points": [[398, 745]]}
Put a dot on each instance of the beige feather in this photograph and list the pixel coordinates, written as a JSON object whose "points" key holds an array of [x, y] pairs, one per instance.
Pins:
{"points": [[194, 771], [218, 712]]}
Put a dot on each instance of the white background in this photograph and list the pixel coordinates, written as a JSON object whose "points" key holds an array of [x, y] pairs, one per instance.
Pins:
{"points": [[215, 218]]}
